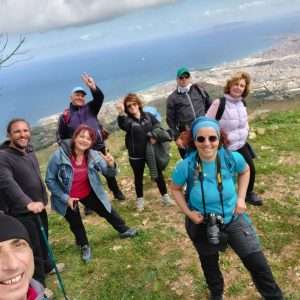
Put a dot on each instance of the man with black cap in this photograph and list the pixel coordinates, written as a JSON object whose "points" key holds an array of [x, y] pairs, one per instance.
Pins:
{"points": [[187, 102], [23, 192], [80, 112], [16, 263]]}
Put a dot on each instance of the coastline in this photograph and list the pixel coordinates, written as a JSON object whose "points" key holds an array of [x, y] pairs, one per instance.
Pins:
{"points": [[275, 73]]}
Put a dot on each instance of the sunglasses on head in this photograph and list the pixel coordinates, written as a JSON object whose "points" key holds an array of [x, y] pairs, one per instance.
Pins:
{"points": [[184, 76], [131, 104], [211, 138]]}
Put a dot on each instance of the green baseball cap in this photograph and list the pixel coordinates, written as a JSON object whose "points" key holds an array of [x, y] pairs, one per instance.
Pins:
{"points": [[182, 71]]}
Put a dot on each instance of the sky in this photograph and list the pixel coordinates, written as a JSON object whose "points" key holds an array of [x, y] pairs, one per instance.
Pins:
{"points": [[59, 27]]}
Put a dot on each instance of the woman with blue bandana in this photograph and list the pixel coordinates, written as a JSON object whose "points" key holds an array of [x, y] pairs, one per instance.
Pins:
{"points": [[215, 209]]}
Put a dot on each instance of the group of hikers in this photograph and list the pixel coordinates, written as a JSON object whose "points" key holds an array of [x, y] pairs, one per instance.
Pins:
{"points": [[211, 184]]}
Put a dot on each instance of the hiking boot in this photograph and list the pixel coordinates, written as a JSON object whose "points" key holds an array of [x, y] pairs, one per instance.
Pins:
{"points": [[253, 199], [129, 233], [60, 267], [48, 293], [88, 211], [86, 253], [140, 204], [119, 195], [166, 200]]}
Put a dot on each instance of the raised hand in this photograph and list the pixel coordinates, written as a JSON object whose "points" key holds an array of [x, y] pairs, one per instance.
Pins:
{"points": [[108, 158], [89, 81], [119, 107]]}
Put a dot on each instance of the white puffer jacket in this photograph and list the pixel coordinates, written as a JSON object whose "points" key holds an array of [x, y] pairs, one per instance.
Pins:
{"points": [[234, 121]]}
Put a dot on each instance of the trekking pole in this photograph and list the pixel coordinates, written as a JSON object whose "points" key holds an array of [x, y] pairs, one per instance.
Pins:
{"points": [[52, 258]]}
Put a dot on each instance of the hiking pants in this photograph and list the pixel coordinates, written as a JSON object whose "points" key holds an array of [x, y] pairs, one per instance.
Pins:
{"points": [[92, 202], [138, 167], [244, 151], [243, 240]]}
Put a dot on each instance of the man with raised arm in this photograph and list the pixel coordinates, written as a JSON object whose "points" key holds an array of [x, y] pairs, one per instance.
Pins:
{"points": [[82, 112]]}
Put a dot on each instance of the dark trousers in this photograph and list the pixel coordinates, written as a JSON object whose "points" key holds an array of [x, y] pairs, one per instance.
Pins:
{"points": [[248, 156], [92, 202], [112, 184], [111, 181], [138, 167], [42, 263], [243, 240], [256, 264]]}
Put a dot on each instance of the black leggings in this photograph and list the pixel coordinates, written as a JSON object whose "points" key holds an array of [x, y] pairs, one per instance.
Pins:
{"points": [[138, 166], [92, 202], [248, 158]]}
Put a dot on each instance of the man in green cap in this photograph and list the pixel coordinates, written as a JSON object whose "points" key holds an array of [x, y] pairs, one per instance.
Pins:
{"points": [[187, 102]]}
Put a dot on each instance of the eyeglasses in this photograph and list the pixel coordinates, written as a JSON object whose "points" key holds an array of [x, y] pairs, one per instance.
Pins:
{"points": [[211, 138], [131, 104], [184, 76]]}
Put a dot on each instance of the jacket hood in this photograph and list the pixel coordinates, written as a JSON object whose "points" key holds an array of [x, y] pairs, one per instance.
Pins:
{"points": [[5, 145], [66, 147]]}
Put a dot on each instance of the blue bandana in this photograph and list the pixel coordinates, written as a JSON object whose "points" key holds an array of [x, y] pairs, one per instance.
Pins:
{"points": [[204, 122]]}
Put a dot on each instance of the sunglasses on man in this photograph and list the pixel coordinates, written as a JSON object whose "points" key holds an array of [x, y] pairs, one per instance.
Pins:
{"points": [[201, 139], [184, 76]]}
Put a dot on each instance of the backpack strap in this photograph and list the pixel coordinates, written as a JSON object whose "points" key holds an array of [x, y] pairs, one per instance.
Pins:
{"points": [[201, 91], [221, 108], [66, 116]]}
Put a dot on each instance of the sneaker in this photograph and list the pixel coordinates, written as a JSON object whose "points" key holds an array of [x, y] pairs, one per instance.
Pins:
{"points": [[140, 203], [48, 293], [60, 267], [86, 253], [88, 211], [119, 195], [253, 199], [129, 233], [166, 200]]}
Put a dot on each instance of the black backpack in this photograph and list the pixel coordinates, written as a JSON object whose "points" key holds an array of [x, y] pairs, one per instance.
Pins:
{"points": [[221, 108]]}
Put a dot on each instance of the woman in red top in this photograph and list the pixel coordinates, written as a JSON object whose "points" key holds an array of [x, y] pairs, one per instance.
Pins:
{"points": [[72, 176]]}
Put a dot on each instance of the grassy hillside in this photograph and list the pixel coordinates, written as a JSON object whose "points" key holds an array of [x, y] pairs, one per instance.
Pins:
{"points": [[161, 263]]}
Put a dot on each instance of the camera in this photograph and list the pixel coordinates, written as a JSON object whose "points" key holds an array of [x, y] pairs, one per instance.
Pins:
{"points": [[213, 229]]}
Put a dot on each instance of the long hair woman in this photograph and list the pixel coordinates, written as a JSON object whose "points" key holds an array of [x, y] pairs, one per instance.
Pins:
{"points": [[138, 126], [230, 110], [72, 177]]}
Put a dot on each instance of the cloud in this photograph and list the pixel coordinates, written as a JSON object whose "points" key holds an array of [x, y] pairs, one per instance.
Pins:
{"points": [[251, 4], [43, 15], [218, 11]]}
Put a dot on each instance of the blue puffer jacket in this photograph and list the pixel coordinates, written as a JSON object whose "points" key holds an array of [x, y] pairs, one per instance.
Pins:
{"points": [[59, 177]]}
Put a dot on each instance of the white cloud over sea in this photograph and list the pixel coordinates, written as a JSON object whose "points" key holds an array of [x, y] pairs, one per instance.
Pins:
{"points": [[43, 15]]}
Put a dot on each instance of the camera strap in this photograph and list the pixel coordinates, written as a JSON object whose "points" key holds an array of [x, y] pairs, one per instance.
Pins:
{"points": [[199, 169]]}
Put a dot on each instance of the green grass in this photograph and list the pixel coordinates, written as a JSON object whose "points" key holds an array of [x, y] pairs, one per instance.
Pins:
{"points": [[161, 262]]}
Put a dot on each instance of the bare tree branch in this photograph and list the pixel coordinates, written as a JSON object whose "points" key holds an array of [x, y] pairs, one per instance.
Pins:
{"points": [[5, 42], [7, 57]]}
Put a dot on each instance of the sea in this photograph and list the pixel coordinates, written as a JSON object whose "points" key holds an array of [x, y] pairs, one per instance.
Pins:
{"points": [[37, 89]]}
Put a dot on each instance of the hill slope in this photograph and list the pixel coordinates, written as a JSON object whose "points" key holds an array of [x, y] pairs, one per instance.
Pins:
{"points": [[161, 262]]}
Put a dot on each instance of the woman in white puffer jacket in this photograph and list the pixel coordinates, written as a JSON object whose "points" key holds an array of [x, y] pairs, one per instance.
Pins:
{"points": [[231, 112]]}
